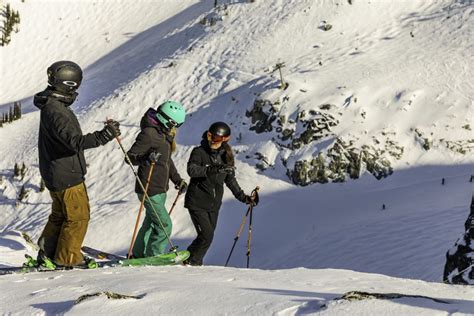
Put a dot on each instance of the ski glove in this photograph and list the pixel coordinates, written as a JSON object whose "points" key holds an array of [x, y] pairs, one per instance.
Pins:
{"points": [[220, 169], [249, 200], [182, 186], [153, 157], [109, 132]]}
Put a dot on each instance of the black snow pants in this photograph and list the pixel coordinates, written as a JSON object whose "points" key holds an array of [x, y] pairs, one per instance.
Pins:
{"points": [[205, 224]]}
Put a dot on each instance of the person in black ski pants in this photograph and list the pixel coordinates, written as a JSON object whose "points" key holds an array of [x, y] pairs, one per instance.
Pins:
{"points": [[210, 166]]}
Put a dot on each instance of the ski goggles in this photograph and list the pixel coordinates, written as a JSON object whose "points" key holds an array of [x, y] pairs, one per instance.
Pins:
{"points": [[170, 122], [217, 138]]}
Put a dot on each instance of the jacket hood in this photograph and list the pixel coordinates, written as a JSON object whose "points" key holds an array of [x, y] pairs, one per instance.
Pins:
{"points": [[149, 120], [41, 99]]}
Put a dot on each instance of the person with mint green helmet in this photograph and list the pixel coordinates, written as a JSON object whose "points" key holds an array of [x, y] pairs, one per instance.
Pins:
{"points": [[154, 144]]}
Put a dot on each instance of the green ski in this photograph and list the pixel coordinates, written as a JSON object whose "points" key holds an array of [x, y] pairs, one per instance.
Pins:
{"points": [[172, 258]]}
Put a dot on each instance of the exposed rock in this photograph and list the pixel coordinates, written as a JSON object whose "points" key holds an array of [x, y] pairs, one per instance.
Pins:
{"points": [[459, 268], [460, 146], [261, 119], [341, 160]]}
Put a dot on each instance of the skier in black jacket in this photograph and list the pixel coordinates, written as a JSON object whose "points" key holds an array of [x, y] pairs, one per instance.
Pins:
{"points": [[155, 142], [210, 166], [62, 165]]}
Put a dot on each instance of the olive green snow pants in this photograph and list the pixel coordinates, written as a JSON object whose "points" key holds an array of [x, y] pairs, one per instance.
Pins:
{"points": [[64, 233], [151, 238]]}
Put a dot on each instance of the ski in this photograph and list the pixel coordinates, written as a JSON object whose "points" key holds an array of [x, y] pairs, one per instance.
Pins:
{"points": [[99, 254], [172, 258]]}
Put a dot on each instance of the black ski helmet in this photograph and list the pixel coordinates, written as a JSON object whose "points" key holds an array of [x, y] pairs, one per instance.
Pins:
{"points": [[219, 129], [65, 76]]}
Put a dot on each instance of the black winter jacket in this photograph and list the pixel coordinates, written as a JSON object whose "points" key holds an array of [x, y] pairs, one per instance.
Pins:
{"points": [[153, 137], [205, 191], [61, 144]]}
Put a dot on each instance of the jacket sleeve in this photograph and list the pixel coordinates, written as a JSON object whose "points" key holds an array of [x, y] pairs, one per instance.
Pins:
{"points": [[233, 185], [70, 137], [173, 173], [195, 168], [140, 148]]}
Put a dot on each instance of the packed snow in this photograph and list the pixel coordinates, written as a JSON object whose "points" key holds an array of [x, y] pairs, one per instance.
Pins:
{"points": [[389, 67]]}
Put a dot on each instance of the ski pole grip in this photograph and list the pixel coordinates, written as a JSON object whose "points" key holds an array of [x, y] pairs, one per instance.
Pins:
{"points": [[116, 137], [254, 194]]}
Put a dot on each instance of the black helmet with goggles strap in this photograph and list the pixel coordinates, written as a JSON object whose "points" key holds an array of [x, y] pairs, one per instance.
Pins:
{"points": [[218, 132]]}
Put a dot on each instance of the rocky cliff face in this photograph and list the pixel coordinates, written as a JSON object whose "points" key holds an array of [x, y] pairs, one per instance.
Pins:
{"points": [[336, 157]]}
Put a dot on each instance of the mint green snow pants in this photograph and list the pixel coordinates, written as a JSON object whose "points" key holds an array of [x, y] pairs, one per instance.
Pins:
{"points": [[151, 238]]}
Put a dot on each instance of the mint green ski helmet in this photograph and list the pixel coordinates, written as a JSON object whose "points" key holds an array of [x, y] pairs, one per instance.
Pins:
{"points": [[171, 114]]}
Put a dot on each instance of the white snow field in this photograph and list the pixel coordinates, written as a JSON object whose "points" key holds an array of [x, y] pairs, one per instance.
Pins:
{"points": [[389, 68]]}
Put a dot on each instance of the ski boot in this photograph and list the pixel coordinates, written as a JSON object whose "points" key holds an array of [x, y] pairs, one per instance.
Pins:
{"points": [[90, 263], [44, 263], [30, 262]]}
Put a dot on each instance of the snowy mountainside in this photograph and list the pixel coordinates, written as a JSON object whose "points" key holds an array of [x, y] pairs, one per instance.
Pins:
{"points": [[391, 73]]}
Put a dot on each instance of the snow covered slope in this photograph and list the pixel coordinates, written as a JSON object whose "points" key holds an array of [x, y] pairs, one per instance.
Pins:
{"points": [[396, 74]]}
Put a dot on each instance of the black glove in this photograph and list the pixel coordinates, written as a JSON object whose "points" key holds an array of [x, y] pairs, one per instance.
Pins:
{"points": [[220, 169], [249, 200], [153, 157], [109, 132], [181, 186]]}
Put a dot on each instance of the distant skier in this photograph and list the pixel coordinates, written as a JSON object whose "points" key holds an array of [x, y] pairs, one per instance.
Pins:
{"points": [[62, 165], [210, 166], [155, 142]]}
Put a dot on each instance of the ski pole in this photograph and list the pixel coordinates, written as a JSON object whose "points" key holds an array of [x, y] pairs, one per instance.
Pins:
{"points": [[249, 238], [238, 235], [134, 236], [174, 203], [244, 219], [173, 248]]}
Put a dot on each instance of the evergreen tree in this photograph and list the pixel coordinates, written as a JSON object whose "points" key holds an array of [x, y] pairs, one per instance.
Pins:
{"points": [[8, 12], [42, 186], [18, 110], [23, 193], [16, 170], [23, 171]]}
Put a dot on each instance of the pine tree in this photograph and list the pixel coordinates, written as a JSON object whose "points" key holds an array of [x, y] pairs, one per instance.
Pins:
{"points": [[19, 110], [16, 170], [16, 111], [42, 186], [11, 117], [8, 12], [23, 171], [23, 193]]}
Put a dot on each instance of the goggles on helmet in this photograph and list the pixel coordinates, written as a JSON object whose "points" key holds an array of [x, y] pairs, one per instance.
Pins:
{"points": [[170, 122], [217, 138]]}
